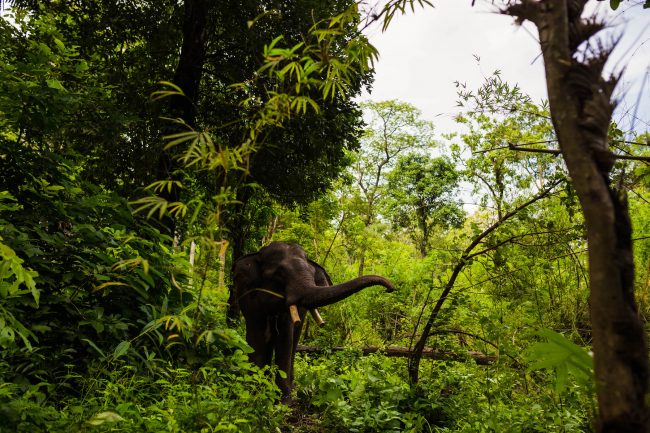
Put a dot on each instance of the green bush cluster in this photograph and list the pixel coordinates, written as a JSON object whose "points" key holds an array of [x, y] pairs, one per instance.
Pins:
{"points": [[227, 394], [100, 326], [82, 268], [362, 394], [347, 392]]}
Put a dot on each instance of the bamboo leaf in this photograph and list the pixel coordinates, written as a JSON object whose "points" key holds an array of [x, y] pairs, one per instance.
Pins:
{"points": [[94, 346], [109, 284]]}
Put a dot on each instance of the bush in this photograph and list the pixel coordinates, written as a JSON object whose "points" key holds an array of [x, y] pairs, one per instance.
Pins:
{"points": [[363, 394], [228, 394], [78, 269], [347, 392]]}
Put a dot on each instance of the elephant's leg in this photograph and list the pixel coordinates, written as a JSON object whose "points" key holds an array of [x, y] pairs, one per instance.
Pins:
{"points": [[258, 336], [284, 353]]}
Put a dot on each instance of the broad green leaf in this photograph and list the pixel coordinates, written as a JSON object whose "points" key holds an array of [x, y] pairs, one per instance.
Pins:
{"points": [[55, 84], [105, 417], [121, 349], [564, 357], [94, 346], [59, 44]]}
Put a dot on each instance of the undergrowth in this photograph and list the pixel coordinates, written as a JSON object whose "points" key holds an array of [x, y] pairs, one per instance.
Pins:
{"points": [[346, 392], [225, 395]]}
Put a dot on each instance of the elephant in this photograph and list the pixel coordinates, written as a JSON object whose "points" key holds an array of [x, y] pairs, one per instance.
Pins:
{"points": [[268, 285]]}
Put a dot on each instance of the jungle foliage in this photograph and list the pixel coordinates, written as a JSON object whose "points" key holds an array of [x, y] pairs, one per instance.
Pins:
{"points": [[109, 321]]}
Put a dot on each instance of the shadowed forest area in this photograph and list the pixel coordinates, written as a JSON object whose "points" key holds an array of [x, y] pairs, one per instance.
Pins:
{"points": [[150, 148]]}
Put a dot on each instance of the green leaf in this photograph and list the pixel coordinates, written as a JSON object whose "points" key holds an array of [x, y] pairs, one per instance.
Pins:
{"points": [[564, 357], [121, 349], [105, 417], [55, 84], [614, 4], [82, 66], [94, 346], [59, 44], [108, 284]]}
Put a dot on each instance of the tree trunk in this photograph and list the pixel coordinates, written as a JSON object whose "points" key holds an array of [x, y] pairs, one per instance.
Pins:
{"points": [[362, 258], [222, 264], [238, 229], [188, 77], [581, 109], [425, 229]]}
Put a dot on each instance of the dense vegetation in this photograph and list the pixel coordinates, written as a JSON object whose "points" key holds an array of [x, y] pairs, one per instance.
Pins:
{"points": [[122, 207]]}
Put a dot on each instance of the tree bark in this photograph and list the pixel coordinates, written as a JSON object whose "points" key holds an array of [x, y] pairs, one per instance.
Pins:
{"points": [[581, 109], [188, 77]]}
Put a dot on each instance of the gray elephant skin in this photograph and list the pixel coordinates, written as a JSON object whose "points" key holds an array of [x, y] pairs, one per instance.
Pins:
{"points": [[267, 283]]}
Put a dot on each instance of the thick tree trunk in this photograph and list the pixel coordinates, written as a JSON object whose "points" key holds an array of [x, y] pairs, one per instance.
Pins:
{"points": [[188, 77], [192, 58], [581, 112], [238, 229]]}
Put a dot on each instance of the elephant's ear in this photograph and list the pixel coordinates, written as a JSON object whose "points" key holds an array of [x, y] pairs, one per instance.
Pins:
{"points": [[244, 259], [321, 277], [246, 273]]}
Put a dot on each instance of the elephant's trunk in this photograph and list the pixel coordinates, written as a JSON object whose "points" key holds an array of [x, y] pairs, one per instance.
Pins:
{"points": [[314, 296]]}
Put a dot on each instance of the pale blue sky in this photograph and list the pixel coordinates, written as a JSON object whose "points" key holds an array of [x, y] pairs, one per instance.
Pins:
{"points": [[423, 53]]}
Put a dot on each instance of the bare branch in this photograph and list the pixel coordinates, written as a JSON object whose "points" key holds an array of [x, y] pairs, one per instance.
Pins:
{"points": [[398, 351], [414, 361]]}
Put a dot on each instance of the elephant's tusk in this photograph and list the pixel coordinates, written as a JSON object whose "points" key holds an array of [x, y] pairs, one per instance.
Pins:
{"points": [[317, 317], [295, 317]]}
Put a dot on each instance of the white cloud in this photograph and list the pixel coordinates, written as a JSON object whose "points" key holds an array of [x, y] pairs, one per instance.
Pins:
{"points": [[423, 53]]}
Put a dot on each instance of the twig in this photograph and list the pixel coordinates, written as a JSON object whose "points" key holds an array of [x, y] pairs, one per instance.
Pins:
{"points": [[512, 146]]}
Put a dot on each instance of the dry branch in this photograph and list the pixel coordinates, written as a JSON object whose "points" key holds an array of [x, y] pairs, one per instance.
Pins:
{"points": [[398, 351]]}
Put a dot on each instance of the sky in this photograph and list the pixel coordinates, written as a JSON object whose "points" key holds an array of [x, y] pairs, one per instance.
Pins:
{"points": [[423, 53]]}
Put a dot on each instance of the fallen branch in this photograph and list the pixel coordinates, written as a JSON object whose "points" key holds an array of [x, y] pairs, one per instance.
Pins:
{"points": [[428, 352]]}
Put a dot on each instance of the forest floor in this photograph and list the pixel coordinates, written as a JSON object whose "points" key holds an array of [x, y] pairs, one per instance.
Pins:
{"points": [[301, 421]]}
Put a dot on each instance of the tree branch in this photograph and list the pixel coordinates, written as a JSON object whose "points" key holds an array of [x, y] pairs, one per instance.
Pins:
{"points": [[414, 361], [556, 152], [398, 351]]}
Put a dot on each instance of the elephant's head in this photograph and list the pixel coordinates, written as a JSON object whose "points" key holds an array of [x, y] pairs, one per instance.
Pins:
{"points": [[284, 270]]}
